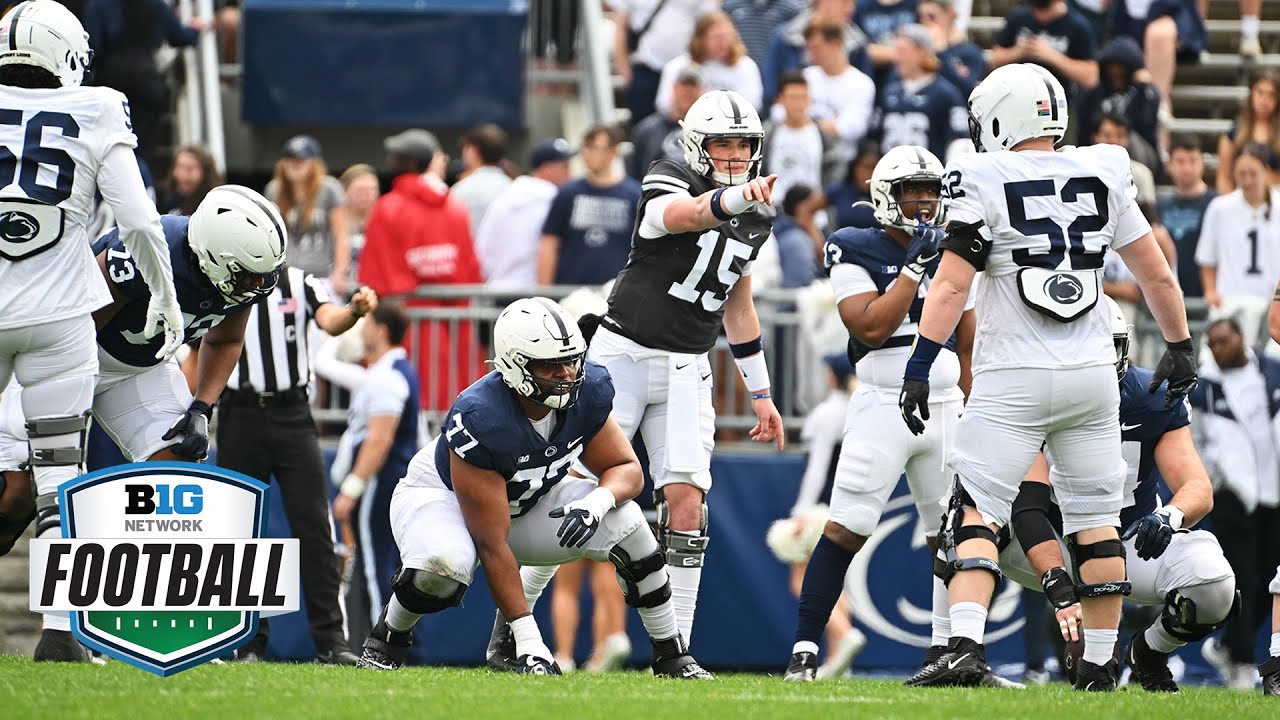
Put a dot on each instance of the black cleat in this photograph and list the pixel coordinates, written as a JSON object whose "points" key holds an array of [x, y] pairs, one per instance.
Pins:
{"points": [[964, 664], [1098, 678], [338, 655], [59, 646], [1270, 672], [803, 667], [671, 659], [501, 653], [531, 665], [385, 649], [1150, 668]]}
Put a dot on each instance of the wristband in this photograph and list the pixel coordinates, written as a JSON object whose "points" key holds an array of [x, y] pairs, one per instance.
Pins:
{"points": [[748, 348], [203, 408], [915, 271], [735, 199], [354, 486], [761, 395], [755, 372], [923, 352], [1185, 346], [721, 214]]}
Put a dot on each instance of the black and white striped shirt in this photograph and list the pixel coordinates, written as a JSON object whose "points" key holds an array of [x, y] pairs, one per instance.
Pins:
{"points": [[276, 356]]}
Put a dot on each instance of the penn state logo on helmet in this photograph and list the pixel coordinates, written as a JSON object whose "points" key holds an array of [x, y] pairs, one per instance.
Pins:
{"points": [[533, 335], [1064, 288]]}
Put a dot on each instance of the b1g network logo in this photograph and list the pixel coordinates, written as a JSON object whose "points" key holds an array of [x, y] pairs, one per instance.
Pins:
{"points": [[164, 565]]}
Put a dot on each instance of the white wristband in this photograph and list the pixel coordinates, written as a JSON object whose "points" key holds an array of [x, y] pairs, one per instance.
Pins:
{"points": [[734, 200], [755, 372], [354, 486], [915, 272]]}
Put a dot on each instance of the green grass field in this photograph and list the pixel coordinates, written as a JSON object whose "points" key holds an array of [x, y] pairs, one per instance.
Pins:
{"points": [[229, 692]]}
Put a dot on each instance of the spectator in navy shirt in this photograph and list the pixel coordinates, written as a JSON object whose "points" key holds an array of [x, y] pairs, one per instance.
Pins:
{"points": [[843, 197], [757, 19], [1183, 211], [587, 235], [960, 61], [880, 20], [1050, 34]]}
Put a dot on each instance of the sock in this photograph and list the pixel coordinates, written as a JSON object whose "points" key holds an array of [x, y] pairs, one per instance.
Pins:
{"points": [[660, 622], [1275, 644], [528, 637], [1100, 645], [535, 579], [941, 614], [1249, 27], [823, 583], [57, 622], [684, 596], [1160, 640], [398, 618], [805, 646], [968, 620]]}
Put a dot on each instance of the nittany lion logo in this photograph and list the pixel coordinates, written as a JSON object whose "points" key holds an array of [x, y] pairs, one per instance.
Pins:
{"points": [[1064, 288], [18, 227]]}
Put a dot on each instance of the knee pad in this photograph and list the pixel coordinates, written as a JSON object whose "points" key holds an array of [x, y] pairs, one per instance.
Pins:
{"points": [[424, 592], [1081, 554], [1180, 617], [17, 509], [1030, 515], [58, 440], [682, 550], [48, 516], [632, 572]]}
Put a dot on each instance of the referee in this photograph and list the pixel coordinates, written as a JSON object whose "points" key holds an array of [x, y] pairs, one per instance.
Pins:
{"points": [[265, 429]]}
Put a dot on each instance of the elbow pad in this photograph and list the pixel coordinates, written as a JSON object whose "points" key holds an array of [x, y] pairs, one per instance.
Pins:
{"points": [[965, 240]]}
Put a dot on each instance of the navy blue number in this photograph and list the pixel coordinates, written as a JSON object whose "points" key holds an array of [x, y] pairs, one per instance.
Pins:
{"points": [[34, 154], [1253, 268], [1016, 193], [951, 185], [1075, 187]]}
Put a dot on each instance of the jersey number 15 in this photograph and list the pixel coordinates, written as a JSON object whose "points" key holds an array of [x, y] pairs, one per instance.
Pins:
{"points": [[728, 277]]}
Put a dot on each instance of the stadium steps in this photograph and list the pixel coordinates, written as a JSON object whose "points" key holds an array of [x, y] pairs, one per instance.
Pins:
{"points": [[19, 627]]}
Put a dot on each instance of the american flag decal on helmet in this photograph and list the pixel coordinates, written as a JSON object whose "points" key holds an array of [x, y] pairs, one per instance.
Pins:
{"points": [[1043, 108]]}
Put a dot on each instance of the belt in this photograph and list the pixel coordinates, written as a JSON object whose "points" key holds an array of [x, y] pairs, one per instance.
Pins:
{"points": [[249, 398]]}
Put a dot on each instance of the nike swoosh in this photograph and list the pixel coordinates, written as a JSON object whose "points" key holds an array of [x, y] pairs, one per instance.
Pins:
{"points": [[573, 442], [753, 236], [681, 367], [1130, 427], [704, 377], [952, 665]]}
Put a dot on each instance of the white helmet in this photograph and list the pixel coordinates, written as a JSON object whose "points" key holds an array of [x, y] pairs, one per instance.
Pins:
{"points": [[902, 166], [1015, 103], [238, 238], [47, 35], [535, 331], [721, 114], [1120, 329]]}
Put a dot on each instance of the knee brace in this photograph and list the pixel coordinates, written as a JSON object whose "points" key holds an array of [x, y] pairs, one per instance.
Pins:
{"points": [[632, 572], [682, 550], [58, 440], [17, 509], [1081, 554], [424, 592], [1180, 617], [947, 562], [48, 517]]}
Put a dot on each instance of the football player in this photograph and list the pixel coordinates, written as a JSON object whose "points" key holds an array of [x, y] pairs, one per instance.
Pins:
{"points": [[60, 145], [494, 488], [880, 276], [1168, 564], [224, 258], [1039, 222]]}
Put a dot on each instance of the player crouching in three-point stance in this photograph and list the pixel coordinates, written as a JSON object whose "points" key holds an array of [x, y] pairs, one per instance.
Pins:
{"points": [[494, 488], [1038, 222], [1183, 570]]}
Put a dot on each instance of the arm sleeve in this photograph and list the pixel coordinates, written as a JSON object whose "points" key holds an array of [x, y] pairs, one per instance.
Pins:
{"points": [[328, 366], [848, 280], [121, 186], [652, 225], [387, 392]]}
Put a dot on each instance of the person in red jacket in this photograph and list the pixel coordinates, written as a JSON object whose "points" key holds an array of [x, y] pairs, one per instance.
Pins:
{"points": [[419, 234]]}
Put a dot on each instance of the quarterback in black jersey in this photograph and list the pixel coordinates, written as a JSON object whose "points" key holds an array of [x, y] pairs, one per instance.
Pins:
{"points": [[699, 226]]}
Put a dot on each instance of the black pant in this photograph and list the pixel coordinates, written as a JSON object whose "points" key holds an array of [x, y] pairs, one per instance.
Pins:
{"points": [[1251, 544], [281, 441]]}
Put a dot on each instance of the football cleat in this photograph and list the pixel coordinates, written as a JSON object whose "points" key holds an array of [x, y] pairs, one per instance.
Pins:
{"points": [[501, 653], [964, 664], [931, 655], [1097, 678], [992, 680], [532, 665], [839, 660], [59, 646], [385, 649], [1150, 668], [337, 655], [671, 659], [803, 667], [1270, 672]]}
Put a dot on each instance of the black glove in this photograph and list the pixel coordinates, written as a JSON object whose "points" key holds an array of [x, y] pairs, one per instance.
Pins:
{"points": [[915, 394], [1059, 588], [1178, 366], [533, 665], [1154, 533], [923, 248], [194, 427]]}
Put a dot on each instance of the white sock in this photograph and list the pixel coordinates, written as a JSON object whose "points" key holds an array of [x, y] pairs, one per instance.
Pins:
{"points": [[1100, 645], [805, 646], [1249, 27], [684, 594], [941, 614], [969, 620], [535, 579], [528, 637], [57, 622], [1275, 644], [660, 622], [1160, 640], [398, 618]]}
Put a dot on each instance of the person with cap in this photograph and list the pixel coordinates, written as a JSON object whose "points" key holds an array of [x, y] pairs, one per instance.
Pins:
{"points": [[507, 238], [658, 136], [587, 233], [959, 60], [311, 203], [919, 107], [1122, 92], [418, 234]]}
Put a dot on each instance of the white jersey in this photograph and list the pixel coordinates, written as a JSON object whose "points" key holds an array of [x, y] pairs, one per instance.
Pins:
{"points": [[1049, 217], [52, 147], [1243, 243]]}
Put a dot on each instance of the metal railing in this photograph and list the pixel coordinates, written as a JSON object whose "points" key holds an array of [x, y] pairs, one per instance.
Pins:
{"points": [[199, 118]]}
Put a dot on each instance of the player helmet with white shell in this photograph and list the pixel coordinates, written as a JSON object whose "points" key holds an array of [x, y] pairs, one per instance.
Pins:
{"points": [[901, 167], [1120, 331], [536, 332], [45, 34], [721, 114], [1014, 103], [238, 238]]}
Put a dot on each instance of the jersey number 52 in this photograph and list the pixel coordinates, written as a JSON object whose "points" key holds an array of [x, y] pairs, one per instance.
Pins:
{"points": [[728, 277]]}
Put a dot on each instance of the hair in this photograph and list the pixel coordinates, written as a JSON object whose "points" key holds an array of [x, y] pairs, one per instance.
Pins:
{"points": [[209, 179], [865, 148], [791, 77], [355, 172], [1264, 155], [612, 133], [1229, 322], [1246, 122], [29, 76], [796, 194], [697, 42], [1116, 118], [310, 191], [489, 140], [1184, 141], [391, 315], [828, 29]]}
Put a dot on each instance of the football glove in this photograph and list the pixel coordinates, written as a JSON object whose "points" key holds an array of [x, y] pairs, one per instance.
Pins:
{"points": [[922, 250], [1153, 533], [914, 396], [1178, 366], [194, 427], [582, 517], [165, 316]]}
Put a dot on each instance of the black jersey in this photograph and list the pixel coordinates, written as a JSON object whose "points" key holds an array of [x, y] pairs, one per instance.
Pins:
{"points": [[670, 296]]}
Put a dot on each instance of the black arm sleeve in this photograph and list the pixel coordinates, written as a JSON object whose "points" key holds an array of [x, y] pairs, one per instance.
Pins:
{"points": [[964, 240]]}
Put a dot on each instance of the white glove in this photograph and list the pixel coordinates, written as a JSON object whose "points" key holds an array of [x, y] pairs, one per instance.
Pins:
{"points": [[582, 517], [164, 315]]}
